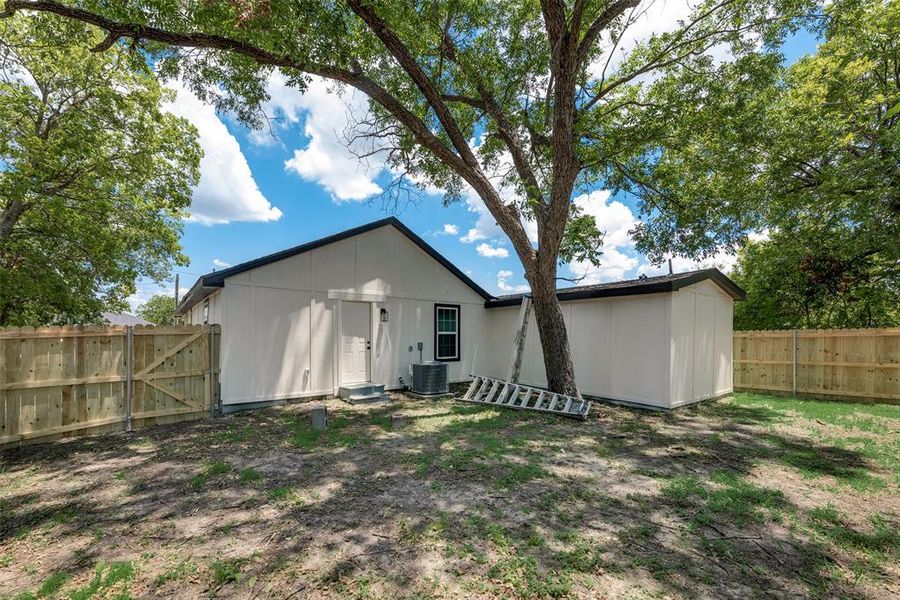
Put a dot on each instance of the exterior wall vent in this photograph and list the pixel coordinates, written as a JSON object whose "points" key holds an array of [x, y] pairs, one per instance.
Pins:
{"points": [[429, 378]]}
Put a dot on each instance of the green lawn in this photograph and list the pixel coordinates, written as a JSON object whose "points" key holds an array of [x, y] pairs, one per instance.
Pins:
{"points": [[747, 496]]}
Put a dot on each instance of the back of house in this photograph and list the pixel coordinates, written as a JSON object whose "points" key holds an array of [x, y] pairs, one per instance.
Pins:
{"points": [[362, 305]]}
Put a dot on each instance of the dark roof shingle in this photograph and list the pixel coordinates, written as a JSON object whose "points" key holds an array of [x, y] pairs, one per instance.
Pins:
{"points": [[630, 287]]}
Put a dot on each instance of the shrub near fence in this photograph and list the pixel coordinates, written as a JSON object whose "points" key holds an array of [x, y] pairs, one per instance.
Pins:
{"points": [[861, 364], [63, 381]]}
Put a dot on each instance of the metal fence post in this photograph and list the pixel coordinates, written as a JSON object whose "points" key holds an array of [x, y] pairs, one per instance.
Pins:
{"points": [[794, 364], [129, 374], [212, 371]]}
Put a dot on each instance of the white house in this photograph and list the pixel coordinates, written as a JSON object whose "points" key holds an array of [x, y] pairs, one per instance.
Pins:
{"points": [[354, 307]]}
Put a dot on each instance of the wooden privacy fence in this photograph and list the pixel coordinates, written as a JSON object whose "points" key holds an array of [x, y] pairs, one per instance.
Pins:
{"points": [[827, 363], [61, 381]]}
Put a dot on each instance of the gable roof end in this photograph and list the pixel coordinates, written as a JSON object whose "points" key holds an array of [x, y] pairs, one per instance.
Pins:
{"points": [[210, 282]]}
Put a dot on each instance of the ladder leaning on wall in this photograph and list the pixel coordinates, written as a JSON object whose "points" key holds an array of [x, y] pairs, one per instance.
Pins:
{"points": [[510, 394]]}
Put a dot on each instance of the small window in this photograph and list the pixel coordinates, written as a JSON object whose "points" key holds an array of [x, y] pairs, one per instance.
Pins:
{"points": [[206, 312], [446, 332]]}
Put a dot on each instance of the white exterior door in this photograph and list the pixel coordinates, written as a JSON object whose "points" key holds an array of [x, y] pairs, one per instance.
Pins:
{"points": [[355, 331]]}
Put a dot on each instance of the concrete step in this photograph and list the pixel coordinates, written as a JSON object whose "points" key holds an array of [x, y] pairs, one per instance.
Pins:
{"points": [[367, 398], [358, 390]]}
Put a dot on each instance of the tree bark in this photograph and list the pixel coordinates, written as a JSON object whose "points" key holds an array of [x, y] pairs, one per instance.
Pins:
{"points": [[8, 218], [558, 363]]}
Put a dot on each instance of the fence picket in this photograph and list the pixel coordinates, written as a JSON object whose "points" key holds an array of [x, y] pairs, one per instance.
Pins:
{"points": [[78, 380], [829, 363]]}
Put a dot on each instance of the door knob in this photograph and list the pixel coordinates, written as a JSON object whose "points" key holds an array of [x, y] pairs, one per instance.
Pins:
{"points": [[368, 345]]}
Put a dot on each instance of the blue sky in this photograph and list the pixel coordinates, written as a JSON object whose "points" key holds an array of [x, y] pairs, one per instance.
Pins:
{"points": [[260, 193]]}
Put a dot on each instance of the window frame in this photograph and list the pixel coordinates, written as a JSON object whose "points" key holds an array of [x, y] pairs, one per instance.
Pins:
{"points": [[458, 333]]}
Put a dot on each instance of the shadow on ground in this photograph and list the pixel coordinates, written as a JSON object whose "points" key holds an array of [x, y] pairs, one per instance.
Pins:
{"points": [[718, 500]]}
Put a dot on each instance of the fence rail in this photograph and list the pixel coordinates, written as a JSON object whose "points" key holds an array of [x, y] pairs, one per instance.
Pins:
{"points": [[861, 364], [66, 381]]}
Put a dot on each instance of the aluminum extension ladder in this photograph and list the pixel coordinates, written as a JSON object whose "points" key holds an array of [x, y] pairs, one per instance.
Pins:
{"points": [[495, 392]]}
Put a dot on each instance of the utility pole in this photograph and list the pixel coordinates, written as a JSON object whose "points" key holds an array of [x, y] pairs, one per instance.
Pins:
{"points": [[175, 319]]}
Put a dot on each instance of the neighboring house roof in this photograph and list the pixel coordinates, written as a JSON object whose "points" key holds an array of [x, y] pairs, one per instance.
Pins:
{"points": [[208, 283], [631, 287], [123, 319]]}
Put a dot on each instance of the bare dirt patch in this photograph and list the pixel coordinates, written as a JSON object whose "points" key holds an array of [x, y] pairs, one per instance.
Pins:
{"points": [[747, 496]]}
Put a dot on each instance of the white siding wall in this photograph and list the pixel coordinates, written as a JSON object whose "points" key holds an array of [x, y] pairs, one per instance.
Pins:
{"points": [[620, 347], [279, 327], [701, 343], [661, 350], [195, 315]]}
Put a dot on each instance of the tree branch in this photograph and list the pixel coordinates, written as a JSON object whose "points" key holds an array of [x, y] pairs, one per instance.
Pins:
{"points": [[505, 128], [554, 12], [612, 12], [508, 220], [464, 164], [399, 51], [419, 129]]}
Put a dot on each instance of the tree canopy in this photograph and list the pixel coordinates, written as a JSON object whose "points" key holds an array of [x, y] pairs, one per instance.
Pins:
{"points": [[521, 102], [810, 152], [159, 310], [94, 176], [795, 282], [812, 149]]}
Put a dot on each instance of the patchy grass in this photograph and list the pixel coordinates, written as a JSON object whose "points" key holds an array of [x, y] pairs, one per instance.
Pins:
{"points": [[178, 571], [249, 475], [742, 497], [211, 469], [52, 585], [235, 434], [108, 580], [226, 571], [870, 549], [874, 418], [303, 436]]}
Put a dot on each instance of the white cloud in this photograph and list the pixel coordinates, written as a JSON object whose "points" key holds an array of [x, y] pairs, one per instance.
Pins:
{"points": [[220, 264], [227, 191], [504, 286], [759, 236], [326, 160], [449, 229], [723, 261], [283, 109], [647, 19], [643, 21], [492, 251], [615, 220], [613, 267], [485, 226], [146, 290]]}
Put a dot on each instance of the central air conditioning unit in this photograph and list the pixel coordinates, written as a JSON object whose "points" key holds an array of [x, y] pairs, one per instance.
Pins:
{"points": [[429, 378]]}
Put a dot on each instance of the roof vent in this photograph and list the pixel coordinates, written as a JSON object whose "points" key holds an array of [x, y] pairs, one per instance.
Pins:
{"points": [[642, 276]]}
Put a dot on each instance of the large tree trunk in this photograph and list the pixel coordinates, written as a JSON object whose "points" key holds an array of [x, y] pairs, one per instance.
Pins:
{"points": [[552, 329], [9, 216]]}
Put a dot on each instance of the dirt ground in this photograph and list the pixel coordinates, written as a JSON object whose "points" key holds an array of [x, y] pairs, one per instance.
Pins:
{"points": [[749, 496]]}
